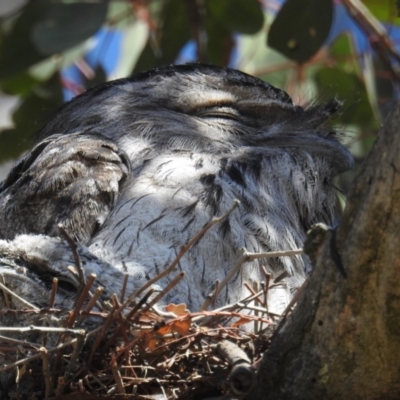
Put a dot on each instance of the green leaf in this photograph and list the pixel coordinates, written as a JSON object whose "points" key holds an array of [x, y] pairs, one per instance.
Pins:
{"points": [[174, 34], [350, 89], [20, 85], [300, 28], [133, 42], [147, 59], [65, 25], [242, 16], [342, 51], [384, 10], [31, 115], [15, 45], [219, 44]]}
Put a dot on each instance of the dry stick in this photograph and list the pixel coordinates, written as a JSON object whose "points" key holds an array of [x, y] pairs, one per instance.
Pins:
{"points": [[369, 22], [91, 303], [46, 372], [264, 289], [23, 301], [84, 292], [5, 294], [74, 357], [242, 375], [124, 284], [182, 252], [117, 375], [280, 278], [17, 342], [267, 283], [256, 312], [74, 248], [247, 257], [100, 335], [32, 328], [253, 292], [60, 386], [214, 295], [252, 308], [54, 349], [233, 306], [384, 46], [53, 292], [238, 305], [171, 285], [139, 304]]}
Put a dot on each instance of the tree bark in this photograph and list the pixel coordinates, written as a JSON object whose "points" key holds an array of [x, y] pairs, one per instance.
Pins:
{"points": [[342, 341]]}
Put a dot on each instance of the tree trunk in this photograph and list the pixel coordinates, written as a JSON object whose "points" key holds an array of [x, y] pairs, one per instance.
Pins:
{"points": [[342, 341]]}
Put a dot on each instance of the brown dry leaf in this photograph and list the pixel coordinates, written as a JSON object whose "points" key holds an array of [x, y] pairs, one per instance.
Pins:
{"points": [[177, 309], [181, 326], [150, 342], [164, 330]]}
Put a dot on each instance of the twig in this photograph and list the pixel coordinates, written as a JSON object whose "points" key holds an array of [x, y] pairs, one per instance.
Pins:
{"points": [[256, 312], [139, 304], [267, 283], [35, 356], [117, 375], [247, 257], [91, 303], [73, 365], [84, 292], [60, 386], [214, 295], [46, 372], [279, 278], [122, 296], [32, 328], [253, 292], [376, 33], [104, 328], [18, 342], [5, 294], [23, 301], [171, 285], [53, 292], [242, 376], [74, 248]]}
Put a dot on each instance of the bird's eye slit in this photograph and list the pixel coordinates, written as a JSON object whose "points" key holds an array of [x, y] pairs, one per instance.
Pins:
{"points": [[222, 113]]}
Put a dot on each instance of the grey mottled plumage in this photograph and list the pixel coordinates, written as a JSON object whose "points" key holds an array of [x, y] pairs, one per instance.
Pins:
{"points": [[134, 168]]}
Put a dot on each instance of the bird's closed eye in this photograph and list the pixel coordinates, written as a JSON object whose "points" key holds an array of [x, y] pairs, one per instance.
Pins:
{"points": [[219, 112]]}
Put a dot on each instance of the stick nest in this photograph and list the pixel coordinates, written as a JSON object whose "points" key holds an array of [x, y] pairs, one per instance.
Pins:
{"points": [[134, 349]]}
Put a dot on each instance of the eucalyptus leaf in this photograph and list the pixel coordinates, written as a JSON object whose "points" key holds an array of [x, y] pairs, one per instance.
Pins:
{"points": [[176, 30], [20, 85], [31, 115], [300, 28], [65, 25], [17, 52], [133, 42], [384, 10], [350, 89], [241, 16], [244, 16]]}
